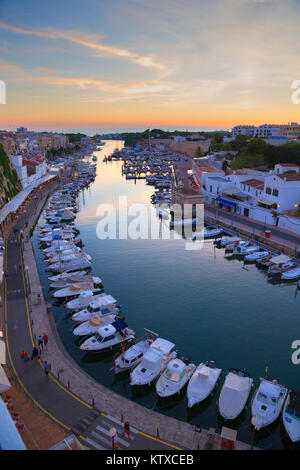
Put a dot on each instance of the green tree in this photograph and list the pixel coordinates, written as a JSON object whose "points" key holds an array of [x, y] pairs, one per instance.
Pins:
{"points": [[198, 152]]}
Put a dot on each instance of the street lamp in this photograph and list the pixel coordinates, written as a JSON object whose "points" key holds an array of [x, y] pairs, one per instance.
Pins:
{"points": [[254, 424]]}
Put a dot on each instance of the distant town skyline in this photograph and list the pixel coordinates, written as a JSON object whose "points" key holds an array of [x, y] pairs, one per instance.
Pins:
{"points": [[69, 65]]}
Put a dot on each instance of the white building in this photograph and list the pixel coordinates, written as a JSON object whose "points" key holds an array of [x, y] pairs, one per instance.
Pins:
{"points": [[255, 194]]}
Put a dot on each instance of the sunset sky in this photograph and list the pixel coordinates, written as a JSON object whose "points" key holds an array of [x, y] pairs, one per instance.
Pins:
{"points": [[116, 63]]}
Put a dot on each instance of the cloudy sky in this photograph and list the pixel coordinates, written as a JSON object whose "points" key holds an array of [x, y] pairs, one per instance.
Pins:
{"points": [[122, 63]]}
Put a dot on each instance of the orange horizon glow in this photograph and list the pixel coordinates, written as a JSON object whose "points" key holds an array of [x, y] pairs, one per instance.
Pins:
{"points": [[215, 64]]}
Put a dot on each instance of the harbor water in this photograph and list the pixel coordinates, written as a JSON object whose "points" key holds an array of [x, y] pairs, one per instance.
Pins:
{"points": [[210, 305]]}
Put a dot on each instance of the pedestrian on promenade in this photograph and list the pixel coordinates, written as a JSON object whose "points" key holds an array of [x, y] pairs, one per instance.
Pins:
{"points": [[24, 356], [6, 274], [114, 437], [40, 344], [20, 266], [47, 368], [35, 354], [15, 268], [45, 339], [126, 430]]}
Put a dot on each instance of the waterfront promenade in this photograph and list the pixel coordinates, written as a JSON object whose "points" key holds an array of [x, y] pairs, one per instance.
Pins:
{"points": [[71, 398]]}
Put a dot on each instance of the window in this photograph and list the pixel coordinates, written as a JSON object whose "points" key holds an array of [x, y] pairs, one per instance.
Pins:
{"points": [[211, 188], [275, 192], [268, 190]]}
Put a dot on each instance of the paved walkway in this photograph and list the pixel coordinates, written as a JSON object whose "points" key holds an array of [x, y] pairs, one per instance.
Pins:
{"points": [[70, 397]]}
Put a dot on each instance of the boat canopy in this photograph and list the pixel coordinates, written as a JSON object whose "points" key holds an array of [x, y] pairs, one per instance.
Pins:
{"points": [[280, 259], [233, 394], [107, 330], [270, 390], [163, 345], [119, 325]]}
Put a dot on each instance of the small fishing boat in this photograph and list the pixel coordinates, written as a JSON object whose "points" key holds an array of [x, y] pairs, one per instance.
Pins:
{"points": [[267, 402], [280, 264], [85, 298], [95, 309], [223, 242], [245, 250], [76, 289], [133, 355], [253, 257], [202, 383], [109, 337], [235, 393], [174, 377], [61, 284], [154, 362], [92, 326], [240, 243], [291, 275], [71, 263], [208, 233], [65, 276], [291, 415]]}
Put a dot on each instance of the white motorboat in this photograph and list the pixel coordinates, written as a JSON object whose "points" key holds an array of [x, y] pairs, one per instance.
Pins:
{"points": [[60, 215], [245, 250], [51, 237], [291, 275], [71, 263], [64, 276], [202, 383], [133, 355], [236, 244], [234, 393], [61, 284], [57, 248], [84, 299], [207, 233], [76, 289], [154, 362], [226, 241], [174, 377], [280, 264], [95, 309], [109, 337], [267, 402], [212, 232], [256, 256], [63, 254], [291, 415], [92, 326]]}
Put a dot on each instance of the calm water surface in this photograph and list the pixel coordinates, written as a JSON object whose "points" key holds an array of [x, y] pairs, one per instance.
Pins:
{"points": [[211, 307]]}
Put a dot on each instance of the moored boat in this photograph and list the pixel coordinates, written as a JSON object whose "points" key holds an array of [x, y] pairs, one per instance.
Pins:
{"points": [[202, 382], [174, 377], [235, 393], [291, 415], [267, 402]]}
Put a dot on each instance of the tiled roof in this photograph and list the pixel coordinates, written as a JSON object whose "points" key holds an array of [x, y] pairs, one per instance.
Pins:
{"points": [[254, 183], [290, 176]]}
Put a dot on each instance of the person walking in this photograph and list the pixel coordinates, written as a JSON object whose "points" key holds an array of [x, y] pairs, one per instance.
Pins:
{"points": [[115, 440], [24, 356], [126, 430], [45, 339], [40, 344], [47, 368], [35, 354]]}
